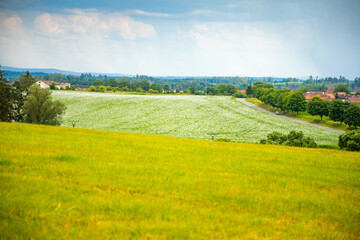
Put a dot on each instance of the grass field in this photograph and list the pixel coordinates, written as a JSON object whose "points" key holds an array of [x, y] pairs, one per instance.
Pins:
{"points": [[65, 183], [179, 116]]}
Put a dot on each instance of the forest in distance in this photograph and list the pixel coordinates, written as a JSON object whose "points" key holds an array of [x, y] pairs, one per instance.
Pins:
{"points": [[181, 83]]}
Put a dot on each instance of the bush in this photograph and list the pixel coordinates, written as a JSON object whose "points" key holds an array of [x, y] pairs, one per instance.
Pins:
{"points": [[294, 138], [92, 89], [101, 89], [350, 141], [153, 91], [239, 95]]}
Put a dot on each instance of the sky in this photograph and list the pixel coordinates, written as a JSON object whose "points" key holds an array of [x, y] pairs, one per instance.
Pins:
{"points": [[255, 38]]}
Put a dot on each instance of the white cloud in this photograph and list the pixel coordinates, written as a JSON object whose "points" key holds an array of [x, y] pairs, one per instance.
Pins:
{"points": [[91, 22], [148, 14], [11, 25]]}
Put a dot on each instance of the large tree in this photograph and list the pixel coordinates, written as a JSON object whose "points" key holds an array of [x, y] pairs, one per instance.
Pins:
{"points": [[250, 90], [318, 106], [353, 116], [296, 102], [337, 110], [20, 91], [5, 104], [41, 109], [341, 88]]}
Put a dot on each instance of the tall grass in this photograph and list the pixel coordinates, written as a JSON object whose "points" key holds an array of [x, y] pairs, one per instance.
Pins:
{"points": [[58, 182]]}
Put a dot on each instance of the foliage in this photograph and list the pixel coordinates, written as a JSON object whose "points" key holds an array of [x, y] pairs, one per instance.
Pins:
{"points": [[296, 102], [239, 95], [294, 138], [250, 90], [92, 88], [352, 115], [318, 106], [5, 95], [350, 141], [20, 90], [153, 91], [187, 116], [39, 107], [341, 88], [337, 110]]}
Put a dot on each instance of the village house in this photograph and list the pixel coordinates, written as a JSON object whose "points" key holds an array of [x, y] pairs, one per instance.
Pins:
{"points": [[81, 87], [47, 84], [242, 91], [353, 99], [341, 95], [322, 94]]}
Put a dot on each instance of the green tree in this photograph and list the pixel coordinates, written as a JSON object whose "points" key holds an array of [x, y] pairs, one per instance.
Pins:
{"points": [[282, 101], [39, 107], [352, 116], [156, 86], [112, 82], [226, 89], [5, 103], [166, 88], [97, 83], [350, 141], [26, 80], [296, 102], [341, 88], [20, 90], [250, 90], [52, 86], [337, 110], [193, 90], [318, 106]]}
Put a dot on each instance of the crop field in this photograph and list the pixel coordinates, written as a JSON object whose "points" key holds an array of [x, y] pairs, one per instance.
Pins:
{"points": [[61, 183], [179, 116]]}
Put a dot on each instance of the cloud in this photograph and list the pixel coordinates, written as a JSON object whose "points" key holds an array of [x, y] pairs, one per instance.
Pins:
{"points": [[11, 25], [87, 22], [148, 14]]}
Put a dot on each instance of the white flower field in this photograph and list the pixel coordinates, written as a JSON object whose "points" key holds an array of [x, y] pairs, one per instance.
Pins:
{"points": [[180, 116]]}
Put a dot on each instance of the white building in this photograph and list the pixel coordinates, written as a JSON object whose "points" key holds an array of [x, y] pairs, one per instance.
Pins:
{"points": [[47, 84]]}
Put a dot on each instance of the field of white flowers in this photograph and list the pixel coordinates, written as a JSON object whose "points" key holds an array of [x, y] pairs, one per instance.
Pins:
{"points": [[179, 116]]}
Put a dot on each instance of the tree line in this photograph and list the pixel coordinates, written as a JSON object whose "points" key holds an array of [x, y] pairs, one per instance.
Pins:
{"points": [[283, 99]]}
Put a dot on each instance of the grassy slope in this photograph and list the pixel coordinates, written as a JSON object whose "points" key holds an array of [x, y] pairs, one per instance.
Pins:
{"points": [[75, 183], [304, 116], [179, 116]]}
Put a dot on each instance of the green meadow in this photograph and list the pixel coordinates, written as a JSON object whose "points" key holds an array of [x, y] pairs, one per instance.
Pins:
{"points": [[186, 116], [60, 183]]}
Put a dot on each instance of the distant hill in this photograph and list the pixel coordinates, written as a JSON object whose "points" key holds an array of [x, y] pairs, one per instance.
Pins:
{"points": [[45, 71]]}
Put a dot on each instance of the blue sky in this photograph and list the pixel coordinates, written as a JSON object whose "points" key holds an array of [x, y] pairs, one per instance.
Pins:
{"points": [[183, 38]]}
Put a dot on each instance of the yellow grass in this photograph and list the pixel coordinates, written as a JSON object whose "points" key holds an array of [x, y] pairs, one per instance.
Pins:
{"points": [[58, 182]]}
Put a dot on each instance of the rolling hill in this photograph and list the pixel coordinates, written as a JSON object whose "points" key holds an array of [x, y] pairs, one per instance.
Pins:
{"points": [[59, 182]]}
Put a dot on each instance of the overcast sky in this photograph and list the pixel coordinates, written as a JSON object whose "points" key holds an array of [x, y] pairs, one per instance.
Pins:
{"points": [[184, 37]]}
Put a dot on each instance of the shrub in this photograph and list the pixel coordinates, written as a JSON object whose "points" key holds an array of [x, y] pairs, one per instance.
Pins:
{"points": [[153, 91], [239, 95], [294, 138], [101, 89], [92, 89], [350, 141]]}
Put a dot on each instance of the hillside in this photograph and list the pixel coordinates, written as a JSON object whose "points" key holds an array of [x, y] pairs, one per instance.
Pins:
{"points": [[180, 116], [61, 182]]}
